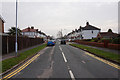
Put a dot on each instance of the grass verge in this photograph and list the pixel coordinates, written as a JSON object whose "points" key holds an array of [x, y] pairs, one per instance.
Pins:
{"points": [[107, 55], [9, 63]]}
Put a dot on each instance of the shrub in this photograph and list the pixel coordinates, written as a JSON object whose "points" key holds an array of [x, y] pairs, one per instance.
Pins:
{"points": [[110, 40], [99, 41], [86, 40], [116, 41], [94, 40]]}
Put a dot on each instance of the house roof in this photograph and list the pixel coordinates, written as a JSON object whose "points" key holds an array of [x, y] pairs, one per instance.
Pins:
{"points": [[80, 28], [42, 33], [69, 33], [110, 34], [89, 27], [2, 18], [29, 30]]}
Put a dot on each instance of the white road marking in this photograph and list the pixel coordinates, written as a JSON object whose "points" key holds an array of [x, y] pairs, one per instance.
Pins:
{"points": [[83, 62], [70, 72], [63, 54], [60, 48], [64, 57], [71, 75], [68, 67]]}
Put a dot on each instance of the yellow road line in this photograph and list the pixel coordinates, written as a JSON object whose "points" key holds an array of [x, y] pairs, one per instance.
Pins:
{"points": [[20, 68], [25, 65], [17, 69], [103, 60]]}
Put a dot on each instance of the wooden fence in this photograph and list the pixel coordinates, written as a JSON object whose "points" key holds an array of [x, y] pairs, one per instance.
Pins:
{"points": [[8, 43]]}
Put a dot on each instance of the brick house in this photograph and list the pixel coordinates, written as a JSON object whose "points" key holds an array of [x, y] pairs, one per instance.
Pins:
{"points": [[107, 35], [30, 32], [1, 24]]}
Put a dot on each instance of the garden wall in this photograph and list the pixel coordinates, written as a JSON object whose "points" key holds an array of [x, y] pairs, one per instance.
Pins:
{"points": [[109, 45]]}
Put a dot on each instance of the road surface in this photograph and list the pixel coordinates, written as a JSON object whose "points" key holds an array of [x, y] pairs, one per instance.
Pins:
{"points": [[67, 62]]}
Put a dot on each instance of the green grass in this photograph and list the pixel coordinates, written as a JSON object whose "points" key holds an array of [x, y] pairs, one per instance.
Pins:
{"points": [[107, 55], [9, 63]]}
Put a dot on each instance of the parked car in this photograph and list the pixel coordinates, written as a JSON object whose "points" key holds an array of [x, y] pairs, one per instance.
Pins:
{"points": [[63, 42], [50, 43]]}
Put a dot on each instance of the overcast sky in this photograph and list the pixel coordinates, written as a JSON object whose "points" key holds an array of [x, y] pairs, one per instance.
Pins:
{"points": [[52, 16]]}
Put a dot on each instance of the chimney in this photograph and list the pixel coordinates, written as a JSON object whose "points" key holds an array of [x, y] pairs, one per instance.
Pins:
{"points": [[28, 28], [32, 27], [87, 23], [37, 30], [80, 28]]}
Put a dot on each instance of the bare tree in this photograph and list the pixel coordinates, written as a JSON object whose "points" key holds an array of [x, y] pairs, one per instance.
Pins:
{"points": [[59, 34]]}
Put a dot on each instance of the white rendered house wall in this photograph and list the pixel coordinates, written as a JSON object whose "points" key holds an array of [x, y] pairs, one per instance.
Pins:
{"points": [[89, 34]]}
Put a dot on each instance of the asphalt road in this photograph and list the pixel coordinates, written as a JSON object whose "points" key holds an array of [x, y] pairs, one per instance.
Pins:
{"points": [[67, 62]]}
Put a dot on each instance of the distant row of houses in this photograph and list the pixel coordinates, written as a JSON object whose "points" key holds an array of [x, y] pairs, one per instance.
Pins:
{"points": [[33, 33], [89, 32], [28, 32]]}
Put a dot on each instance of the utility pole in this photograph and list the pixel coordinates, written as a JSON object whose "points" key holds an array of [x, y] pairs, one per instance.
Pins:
{"points": [[61, 33], [16, 45]]}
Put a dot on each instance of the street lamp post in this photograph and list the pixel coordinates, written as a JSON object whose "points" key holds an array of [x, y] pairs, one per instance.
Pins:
{"points": [[16, 45]]}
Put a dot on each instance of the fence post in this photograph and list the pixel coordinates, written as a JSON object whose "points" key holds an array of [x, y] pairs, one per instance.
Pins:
{"points": [[106, 43], [7, 46]]}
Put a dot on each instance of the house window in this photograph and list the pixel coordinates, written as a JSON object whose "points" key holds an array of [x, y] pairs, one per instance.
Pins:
{"points": [[82, 37], [92, 32]]}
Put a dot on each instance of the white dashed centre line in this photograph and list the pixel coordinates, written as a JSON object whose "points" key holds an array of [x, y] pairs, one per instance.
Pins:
{"points": [[64, 57], [60, 48], [83, 62], [70, 72]]}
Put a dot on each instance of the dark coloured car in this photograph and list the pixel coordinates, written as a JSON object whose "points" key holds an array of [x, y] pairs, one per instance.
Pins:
{"points": [[63, 42]]}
